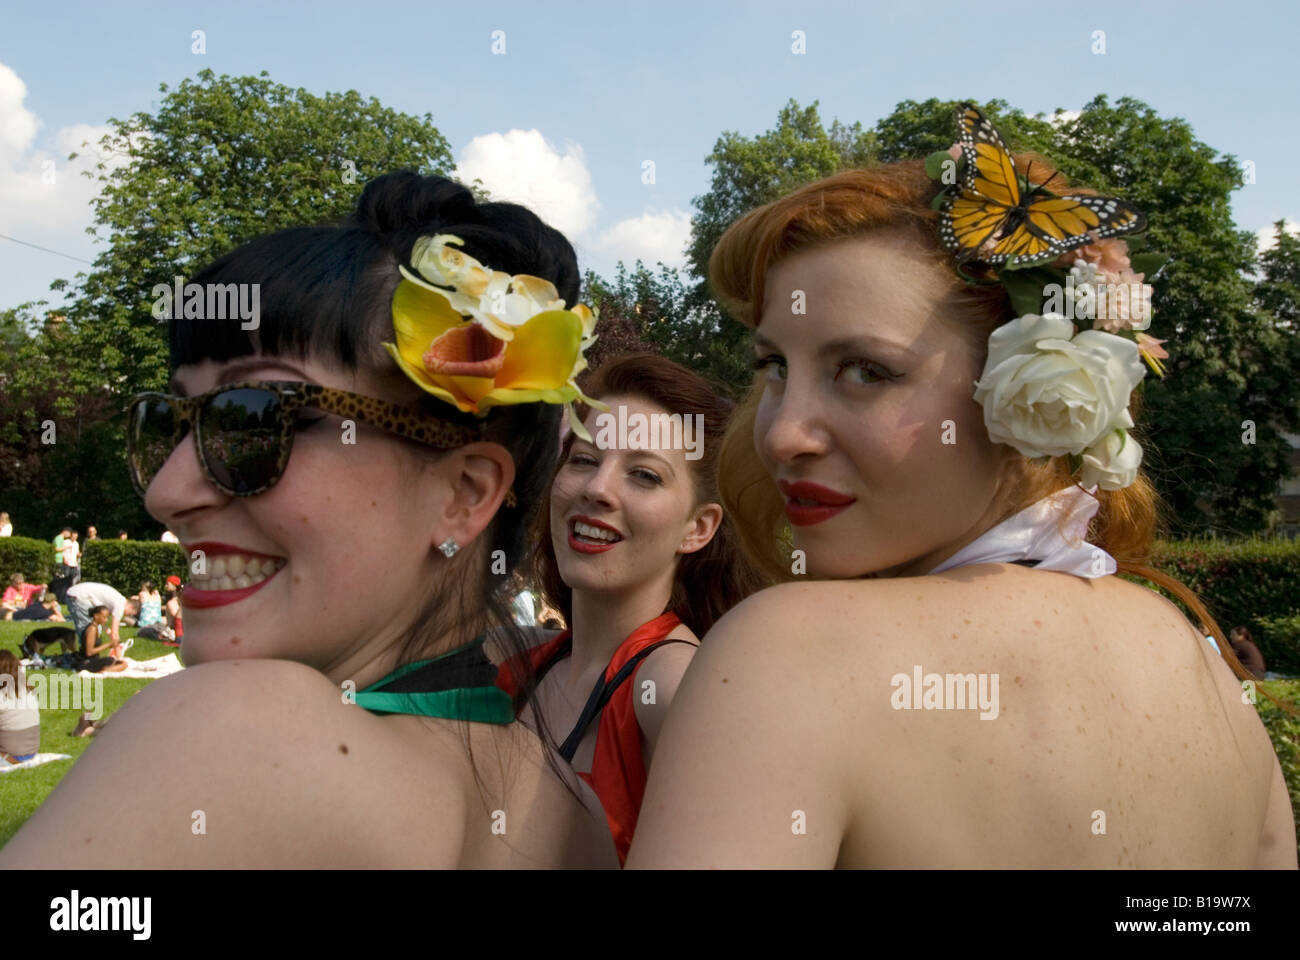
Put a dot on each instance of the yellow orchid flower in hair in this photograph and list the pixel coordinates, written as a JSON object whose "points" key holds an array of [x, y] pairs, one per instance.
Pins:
{"points": [[523, 347], [497, 300], [439, 263]]}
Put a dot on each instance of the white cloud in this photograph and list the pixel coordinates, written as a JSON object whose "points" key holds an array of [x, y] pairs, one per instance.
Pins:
{"points": [[1267, 237], [1064, 117], [39, 187], [651, 237], [521, 167], [17, 123]]}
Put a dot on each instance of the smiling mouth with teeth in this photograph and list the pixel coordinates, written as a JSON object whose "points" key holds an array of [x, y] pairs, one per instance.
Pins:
{"points": [[587, 533], [234, 571]]}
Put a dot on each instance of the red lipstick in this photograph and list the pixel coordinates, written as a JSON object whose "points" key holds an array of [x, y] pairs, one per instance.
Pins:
{"points": [[213, 549], [818, 503], [585, 546], [198, 599]]}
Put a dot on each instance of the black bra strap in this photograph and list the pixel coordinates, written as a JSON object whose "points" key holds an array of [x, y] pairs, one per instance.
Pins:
{"points": [[601, 694]]}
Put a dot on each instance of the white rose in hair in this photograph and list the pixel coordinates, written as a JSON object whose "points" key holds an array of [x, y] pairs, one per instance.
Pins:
{"points": [[1048, 394], [1112, 462]]}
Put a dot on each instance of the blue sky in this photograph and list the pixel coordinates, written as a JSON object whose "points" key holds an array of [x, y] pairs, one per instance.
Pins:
{"points": [[592, 90]]}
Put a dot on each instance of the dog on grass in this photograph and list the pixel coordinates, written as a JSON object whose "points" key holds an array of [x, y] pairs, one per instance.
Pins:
{"points": [[38, 640]]}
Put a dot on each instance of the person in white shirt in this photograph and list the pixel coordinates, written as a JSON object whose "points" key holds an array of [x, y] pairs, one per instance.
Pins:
{"points": [[72, 558], [6, 528], [84, 597]]}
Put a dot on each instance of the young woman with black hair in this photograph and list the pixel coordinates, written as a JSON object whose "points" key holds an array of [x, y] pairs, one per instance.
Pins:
{"points": [[360, 427]]}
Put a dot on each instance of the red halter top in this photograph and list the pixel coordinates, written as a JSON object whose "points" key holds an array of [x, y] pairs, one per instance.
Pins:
{"points": [[618, 774]]}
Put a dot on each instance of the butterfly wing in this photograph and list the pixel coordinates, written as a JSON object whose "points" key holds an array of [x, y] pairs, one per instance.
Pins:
{"points": [[989, 191], [973, 220], [1069, 222], [1055, 225]]}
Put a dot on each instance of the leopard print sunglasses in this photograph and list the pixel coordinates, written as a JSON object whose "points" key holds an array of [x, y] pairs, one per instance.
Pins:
{"points": [[244, 431]]}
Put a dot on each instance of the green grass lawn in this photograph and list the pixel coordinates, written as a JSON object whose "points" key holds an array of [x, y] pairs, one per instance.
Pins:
{"points": [[22, 791], [1284, 731]]}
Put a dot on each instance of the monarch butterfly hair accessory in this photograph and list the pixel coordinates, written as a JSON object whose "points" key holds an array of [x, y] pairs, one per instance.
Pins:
{"points": [[1045, 389]]}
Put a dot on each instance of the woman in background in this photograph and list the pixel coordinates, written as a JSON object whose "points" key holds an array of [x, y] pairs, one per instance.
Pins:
{"points": [[150, 618], [172, 607], [19, 595], [20, 714], [638, 555], [98, 652]]}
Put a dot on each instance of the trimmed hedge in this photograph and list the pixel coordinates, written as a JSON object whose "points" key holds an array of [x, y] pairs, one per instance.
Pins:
{"points": [[1251, 583], [34, 559], [124, 564]]}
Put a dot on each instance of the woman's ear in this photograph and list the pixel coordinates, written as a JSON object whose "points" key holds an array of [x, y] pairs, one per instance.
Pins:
{"points": [[480, 475], [704, 523]]}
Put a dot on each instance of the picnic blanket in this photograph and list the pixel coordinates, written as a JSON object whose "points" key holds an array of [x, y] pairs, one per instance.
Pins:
{"points": [[146, 669], [35, 761], [140, 669]]}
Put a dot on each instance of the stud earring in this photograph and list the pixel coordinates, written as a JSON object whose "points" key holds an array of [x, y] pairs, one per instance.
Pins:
{"points": [[449, 547]]}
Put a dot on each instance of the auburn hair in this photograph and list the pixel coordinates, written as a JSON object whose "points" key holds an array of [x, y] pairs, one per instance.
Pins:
{"points": [[711, 580], [897, 197], [10, 665]]}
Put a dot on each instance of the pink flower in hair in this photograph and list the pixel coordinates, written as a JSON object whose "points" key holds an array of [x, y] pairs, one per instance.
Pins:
{"points": [[1123, 300], [1109, 256]]}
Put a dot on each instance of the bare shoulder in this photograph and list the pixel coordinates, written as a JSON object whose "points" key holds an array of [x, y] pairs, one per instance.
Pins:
{"points": [[800, 623], [671, 659], [245, 764], [658, 677]]}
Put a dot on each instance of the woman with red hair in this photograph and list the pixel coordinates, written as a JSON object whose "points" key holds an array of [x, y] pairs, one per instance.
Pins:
{"points": [[949, 678]]}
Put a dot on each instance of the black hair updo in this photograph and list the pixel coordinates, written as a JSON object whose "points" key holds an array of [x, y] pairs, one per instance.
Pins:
{"points": [[326, 291]]}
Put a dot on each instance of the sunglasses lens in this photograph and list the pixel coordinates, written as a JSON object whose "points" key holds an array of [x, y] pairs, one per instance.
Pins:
{"points": [[151, 438], [241, 438]]}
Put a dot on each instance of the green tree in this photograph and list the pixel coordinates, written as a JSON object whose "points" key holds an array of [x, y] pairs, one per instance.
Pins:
{"points": [[747, 172], [1232, 365], [224, 159], [642, 309], [1278, 290], [61, 450]]}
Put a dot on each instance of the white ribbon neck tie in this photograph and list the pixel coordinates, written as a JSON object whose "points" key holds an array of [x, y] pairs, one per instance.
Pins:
{"points": [[1035, 534]]}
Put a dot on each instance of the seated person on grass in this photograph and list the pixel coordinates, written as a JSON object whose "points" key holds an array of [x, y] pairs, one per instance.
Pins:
{"points": [[46, 608], [95, 642], [20, 716], [18, 595], [150, 619]]}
